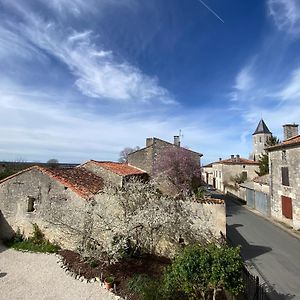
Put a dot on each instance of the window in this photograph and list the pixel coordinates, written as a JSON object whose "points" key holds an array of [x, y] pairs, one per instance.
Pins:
{"points": [[244, 175], [283, 155], [220, 174], [30, 204], [260, 139], [285, 176]]}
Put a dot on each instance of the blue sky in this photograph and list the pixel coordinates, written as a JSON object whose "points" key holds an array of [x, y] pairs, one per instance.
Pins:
{"points": [[83, 79]]}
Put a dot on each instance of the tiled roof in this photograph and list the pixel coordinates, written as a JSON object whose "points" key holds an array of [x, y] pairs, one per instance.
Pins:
{"points": [[261, 128], [289, 142], [167, 143], [122, 169], [79, 180], [235, 161]]}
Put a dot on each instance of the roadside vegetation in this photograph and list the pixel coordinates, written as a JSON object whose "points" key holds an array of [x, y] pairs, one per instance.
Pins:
{"points": [[36, 243]]}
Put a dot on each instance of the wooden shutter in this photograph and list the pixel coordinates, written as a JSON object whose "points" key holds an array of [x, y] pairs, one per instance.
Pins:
{"points": [[285, 176], [287, 207]]}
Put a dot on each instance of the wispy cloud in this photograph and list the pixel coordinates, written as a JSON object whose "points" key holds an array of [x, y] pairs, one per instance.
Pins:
{"points": [[98, 74], [70, 135], [286, 14], [291, 91], [244, 80]]}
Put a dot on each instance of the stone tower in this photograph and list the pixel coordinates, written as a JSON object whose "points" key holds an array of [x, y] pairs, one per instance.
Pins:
{"points": [[260, 137]]}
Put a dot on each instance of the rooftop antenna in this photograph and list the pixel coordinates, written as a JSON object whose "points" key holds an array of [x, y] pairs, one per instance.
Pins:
{"points": [[180, 135]]}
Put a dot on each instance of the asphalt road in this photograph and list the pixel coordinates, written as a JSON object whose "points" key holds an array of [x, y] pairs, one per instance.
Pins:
{"points": [[271, 251]]}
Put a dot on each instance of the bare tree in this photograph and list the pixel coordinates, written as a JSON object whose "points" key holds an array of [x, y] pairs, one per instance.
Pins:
{"points": [[124, 153], [52, 163]]}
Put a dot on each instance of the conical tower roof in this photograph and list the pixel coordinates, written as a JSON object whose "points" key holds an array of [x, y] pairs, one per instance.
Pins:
{"points": [[262, 128]]}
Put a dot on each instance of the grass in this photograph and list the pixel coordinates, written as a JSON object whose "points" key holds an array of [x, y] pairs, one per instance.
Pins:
{"points": [[29, 245], [36, 243]]}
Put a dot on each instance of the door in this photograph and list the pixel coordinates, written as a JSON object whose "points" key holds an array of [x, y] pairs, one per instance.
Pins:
{"points": [[262, 203], [250, 198], [287, 207]]}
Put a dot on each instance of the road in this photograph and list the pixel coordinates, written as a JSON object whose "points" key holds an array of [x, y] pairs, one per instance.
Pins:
{"points": [[271, 251]]}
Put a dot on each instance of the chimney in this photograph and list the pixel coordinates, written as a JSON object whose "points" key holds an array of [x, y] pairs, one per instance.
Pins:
{"points": [[220, 158], [238, 158], [232, 157], [149, 142], [177, 140], [289, 131]]}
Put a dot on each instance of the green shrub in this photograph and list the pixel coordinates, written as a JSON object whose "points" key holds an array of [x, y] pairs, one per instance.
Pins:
{"points": [[36, 243], [200, 270], [146, 287]]}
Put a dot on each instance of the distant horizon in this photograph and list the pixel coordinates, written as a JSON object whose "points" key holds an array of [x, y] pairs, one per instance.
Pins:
{"points": [[85, 79]]}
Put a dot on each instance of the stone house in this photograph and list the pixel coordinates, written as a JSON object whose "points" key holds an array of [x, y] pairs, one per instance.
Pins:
{"points": [[53, 199], [114, 173], [66, 204], [221, 174], [284, 162], [146, 157]]}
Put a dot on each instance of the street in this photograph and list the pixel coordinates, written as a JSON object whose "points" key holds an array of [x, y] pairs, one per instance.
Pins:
{"points": [[273, 253]]}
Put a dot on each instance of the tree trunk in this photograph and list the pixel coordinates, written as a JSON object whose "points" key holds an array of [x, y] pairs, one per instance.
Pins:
{"points": [[214, 294]]}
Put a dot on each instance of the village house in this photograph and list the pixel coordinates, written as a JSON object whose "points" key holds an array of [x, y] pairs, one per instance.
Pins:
{"points": [[284, 167], [66, 205], [115, 173], [146, 157], [224, 174]]}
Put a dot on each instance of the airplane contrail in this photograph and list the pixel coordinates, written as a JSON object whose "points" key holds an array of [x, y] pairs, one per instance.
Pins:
{"points": [[212, 11]]}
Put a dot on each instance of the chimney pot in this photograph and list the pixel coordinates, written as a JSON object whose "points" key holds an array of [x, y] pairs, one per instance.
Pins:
{"points": [[177, 140], [220, 158], [238, 158]]}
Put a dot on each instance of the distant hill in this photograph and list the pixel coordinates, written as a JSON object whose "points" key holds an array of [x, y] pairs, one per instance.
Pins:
{"points": [[10, 168]]}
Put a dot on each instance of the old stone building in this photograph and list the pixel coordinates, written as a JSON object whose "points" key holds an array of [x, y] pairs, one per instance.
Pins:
{"points": [[225, 174], [259, 139], [54, 199], [146, 157], [284, 166], [114, 173], [73, 206]]}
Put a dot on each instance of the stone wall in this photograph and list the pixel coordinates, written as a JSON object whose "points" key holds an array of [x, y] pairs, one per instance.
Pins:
{"points": [[58, 211], [277, 160], [69, 220]]}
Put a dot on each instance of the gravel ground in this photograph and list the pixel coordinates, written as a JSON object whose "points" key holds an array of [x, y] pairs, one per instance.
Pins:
{"points": [[38, 276]]}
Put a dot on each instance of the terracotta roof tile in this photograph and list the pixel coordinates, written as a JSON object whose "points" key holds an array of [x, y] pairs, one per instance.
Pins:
{"points": [[81, 181], [122, 169], [289, 142]]}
